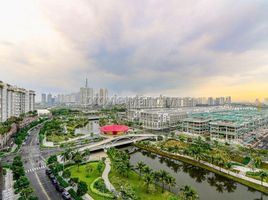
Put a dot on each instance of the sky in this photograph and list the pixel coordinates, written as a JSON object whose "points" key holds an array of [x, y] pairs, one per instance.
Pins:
{"points": [[147, 47]]}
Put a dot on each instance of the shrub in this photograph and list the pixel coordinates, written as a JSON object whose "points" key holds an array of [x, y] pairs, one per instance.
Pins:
{"points": [[100, 185], [96, 191], [246, 160], [62, 182], [74, 194], [82, 188], [66, 173]]}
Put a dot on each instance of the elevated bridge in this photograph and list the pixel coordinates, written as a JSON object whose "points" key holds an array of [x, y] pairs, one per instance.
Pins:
{"points": [[118, 141]]}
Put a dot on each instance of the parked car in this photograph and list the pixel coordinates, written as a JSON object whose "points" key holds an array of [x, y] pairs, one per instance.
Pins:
{"points": [[59, 188], [54, 181], [65, 195], [48, 172], [51, 176]]}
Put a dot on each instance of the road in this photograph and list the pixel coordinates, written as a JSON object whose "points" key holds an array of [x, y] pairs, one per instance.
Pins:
{"points": [[35, 168]]}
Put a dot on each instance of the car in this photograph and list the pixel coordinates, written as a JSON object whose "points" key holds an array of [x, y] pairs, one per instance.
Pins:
{"points": [[54, 182], [59, 188], [48, 171], [65, 195], [51, 176]]}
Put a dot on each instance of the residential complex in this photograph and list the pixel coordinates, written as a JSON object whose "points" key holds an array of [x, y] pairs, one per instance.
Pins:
{"points": [[223, 122], [141, 102], [163, 118], [15, 101]]}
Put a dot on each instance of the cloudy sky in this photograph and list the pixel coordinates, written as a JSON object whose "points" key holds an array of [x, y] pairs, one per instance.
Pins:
{"points": [[150, 47]]}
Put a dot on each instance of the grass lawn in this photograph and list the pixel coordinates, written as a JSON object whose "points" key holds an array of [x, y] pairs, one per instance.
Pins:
{"points": [[138, 185], [82, 176], [172, 143], [59, 138]]}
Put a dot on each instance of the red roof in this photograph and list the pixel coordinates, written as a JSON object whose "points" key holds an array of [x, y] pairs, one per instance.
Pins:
{"points": [[114, 128]]}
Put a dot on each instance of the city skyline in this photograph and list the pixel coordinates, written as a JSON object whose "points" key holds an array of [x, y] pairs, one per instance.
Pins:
{"points": [[209, 48]]}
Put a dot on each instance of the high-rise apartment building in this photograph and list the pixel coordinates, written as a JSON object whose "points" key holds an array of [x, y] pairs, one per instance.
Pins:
{"points": [[103, 96], [15, 101], [86, 95], [44, 98]]}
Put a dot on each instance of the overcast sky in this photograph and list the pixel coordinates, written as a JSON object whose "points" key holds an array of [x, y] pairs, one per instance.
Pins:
{"points": [[150, 47]]}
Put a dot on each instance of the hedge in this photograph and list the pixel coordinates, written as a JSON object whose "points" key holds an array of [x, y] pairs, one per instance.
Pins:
{"points": [[95, 191], [62, 182]]}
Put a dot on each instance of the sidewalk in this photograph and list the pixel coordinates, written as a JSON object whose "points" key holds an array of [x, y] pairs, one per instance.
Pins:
{"points": [[8, 192], [105, 176]]}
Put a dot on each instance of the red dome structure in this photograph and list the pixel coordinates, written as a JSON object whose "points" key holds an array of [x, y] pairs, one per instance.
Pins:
{"points": [[114, 129]]}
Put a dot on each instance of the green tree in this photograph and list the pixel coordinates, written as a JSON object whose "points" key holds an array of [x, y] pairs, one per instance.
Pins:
{"points": [[188, 193], [86, 153], [26, 192], [162, 177], [147, 170], [140, 166], [82, 188], [21, 183], [257, 161], [148, 179], [171, 181], [66, 173], [263, 175], [77, 158], [66, 155], [100, 166]]}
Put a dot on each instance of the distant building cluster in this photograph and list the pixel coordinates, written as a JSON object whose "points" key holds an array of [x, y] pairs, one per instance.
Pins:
{"points": [[141, 102], [15, 101], [85, 97], [163, 118]]}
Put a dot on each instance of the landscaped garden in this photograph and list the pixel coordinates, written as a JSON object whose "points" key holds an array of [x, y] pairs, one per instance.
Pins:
{"points": [[223, 155], [141, 182], [63, 125]]}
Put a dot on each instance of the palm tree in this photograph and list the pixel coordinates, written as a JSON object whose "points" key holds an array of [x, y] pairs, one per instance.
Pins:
{"points": [[148, 179], [257, 161], [86, 153], [147, 170], [263, 174], [66, 155], [188, 193], [229, 166], [162, 177], [140, 166], [156, 177], [77, 158], [128, 168], [171, 181]]}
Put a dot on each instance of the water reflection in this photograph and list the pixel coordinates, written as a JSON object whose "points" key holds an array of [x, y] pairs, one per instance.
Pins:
{"points": [[91, 127], [209, 185]]}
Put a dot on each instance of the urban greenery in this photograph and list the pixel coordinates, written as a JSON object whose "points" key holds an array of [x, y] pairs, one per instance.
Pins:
{"points": [[140, 185], [222, 155], [22, 184]]}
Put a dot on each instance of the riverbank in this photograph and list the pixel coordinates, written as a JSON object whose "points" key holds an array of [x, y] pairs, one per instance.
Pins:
{"points": [[252, 183]]}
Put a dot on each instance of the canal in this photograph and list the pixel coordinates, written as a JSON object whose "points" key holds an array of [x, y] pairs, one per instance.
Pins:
{"points": [[209, 186]]}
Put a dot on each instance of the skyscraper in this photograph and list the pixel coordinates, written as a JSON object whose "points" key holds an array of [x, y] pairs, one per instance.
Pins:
{"points": [[49, 99], [44, 98], [103, 96], [86, 95]]}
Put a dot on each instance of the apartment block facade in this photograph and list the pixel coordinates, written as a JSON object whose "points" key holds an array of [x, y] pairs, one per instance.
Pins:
{"points": [[15, 101]]}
